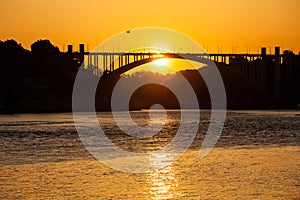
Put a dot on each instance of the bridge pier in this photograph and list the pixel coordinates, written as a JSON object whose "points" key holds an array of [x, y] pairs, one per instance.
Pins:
{"points": [[96, 61], [89, 61], [126, 59], [104, 62], [277, 81], [111, 63], [119, 62]]}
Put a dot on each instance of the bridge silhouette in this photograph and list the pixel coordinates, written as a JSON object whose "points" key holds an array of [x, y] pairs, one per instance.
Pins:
{"points": [[264, 71], [33, 78], [114, 61], [251, 67]]}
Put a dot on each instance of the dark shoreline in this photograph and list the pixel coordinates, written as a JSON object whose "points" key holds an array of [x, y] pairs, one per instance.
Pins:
{"points": [[42, 81], [174, 109]]}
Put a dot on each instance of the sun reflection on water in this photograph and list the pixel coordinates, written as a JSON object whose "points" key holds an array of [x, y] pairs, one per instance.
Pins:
{"points": [[162, 183]]}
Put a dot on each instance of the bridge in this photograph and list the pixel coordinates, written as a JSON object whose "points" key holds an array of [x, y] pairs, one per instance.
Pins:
{"points": [[111, 61], [250, 66]]}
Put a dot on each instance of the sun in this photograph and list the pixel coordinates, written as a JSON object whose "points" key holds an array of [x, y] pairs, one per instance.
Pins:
{"points": [[161, 62], [161, 66]]}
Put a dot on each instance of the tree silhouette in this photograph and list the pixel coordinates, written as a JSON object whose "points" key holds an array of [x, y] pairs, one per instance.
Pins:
{"points": [[44, 48], [46, 59], [14, 58]]}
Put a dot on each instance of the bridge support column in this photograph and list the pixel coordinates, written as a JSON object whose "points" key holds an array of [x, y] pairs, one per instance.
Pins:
{"points": [[119, 62], [122, 60], [105, 62], [111, 64], [277, 80], [89, 61], [224, 59], [96, 64], [96, 61], [127, 60], [263, 73]]}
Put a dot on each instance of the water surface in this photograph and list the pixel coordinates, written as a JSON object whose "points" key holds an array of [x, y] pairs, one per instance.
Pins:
{"points": [[257, 156]]}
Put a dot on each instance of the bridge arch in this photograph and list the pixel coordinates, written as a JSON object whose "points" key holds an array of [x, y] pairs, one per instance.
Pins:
{"points": [[132, 65], [239, 88]]}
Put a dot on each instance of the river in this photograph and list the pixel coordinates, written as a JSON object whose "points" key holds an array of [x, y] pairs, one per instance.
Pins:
{"points": [[256, 157]]}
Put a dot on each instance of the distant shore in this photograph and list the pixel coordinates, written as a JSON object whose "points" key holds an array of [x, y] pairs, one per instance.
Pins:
{"points": [[41, 81]]}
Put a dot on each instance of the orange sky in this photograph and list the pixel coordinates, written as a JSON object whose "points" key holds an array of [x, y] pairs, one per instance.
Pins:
{"points": [[231, 24]]}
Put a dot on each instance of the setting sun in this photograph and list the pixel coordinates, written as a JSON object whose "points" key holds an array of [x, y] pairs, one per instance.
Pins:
{"points": [[161, 62]]}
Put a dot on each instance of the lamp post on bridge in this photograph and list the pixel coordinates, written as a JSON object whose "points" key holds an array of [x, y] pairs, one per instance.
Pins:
{"points": [[233, 49], [246, 49], [270, 50], [219, 48]]}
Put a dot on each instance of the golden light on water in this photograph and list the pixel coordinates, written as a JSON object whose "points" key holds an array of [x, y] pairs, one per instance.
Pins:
{"points": [[162, 183]]}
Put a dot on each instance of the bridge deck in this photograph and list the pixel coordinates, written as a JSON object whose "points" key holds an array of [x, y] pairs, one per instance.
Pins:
{"points": [[187, 54]]}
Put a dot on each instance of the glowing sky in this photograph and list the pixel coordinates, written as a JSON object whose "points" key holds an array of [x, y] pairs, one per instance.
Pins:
{"points": [[230, 25]]}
